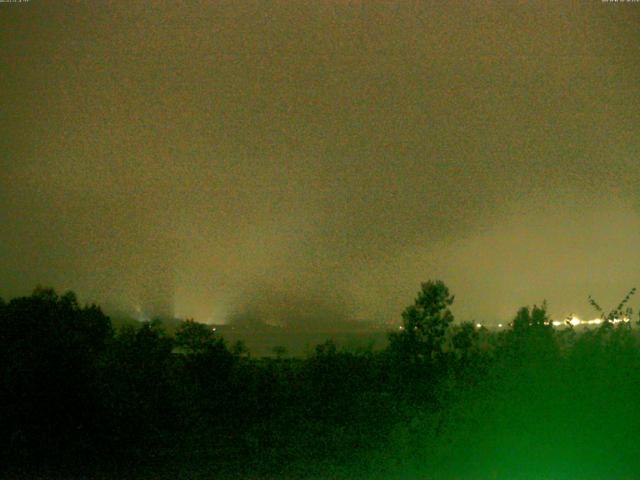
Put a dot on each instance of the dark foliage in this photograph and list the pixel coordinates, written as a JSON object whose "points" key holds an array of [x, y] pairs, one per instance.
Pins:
{"points": [[443, 400]]}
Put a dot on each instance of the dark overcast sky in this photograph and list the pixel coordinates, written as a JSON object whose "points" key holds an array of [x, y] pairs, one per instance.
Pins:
{"points": [[318, 160]]}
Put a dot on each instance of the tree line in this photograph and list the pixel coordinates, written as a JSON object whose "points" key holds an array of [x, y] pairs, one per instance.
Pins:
{"points": [[442, 400]]}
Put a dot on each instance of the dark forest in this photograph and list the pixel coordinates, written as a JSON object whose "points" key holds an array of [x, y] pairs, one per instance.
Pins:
{"points": [[444, 399]]}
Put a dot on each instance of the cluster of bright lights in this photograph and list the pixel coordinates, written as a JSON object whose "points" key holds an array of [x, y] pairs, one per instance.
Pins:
{"points": [[575, 321], [572, 320]]}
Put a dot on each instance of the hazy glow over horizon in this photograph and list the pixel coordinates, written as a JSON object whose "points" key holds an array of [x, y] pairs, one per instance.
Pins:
{"points": [[315, 163]]}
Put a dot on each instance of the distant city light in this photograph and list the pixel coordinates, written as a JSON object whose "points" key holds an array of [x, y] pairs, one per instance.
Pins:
{"points": [[575, 321]]}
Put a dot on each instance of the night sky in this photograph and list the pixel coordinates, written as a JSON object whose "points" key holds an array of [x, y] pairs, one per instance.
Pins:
{"points": [[313, 162]]}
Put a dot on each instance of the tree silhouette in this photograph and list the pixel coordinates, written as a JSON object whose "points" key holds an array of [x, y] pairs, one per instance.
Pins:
{"points": [[617, 312], [534, 318], [425, 323], [464, 340], [531, 341], [50, 348], [194, 337]]}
